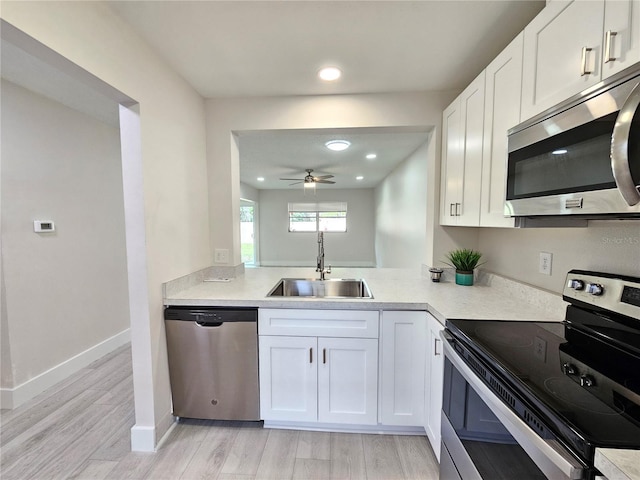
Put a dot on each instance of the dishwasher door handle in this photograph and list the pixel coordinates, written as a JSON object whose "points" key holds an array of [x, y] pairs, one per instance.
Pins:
{"points": [[208, 324]]}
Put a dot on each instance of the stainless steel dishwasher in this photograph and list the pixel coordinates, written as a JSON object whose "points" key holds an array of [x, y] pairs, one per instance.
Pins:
{"points": [[213, 362]]}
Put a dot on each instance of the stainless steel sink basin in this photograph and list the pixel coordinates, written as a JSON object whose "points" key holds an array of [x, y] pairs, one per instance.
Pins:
{"points": [[329, 288]]}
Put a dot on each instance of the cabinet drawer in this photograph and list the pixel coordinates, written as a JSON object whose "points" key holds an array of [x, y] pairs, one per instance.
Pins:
{"points": [[319, 323]]}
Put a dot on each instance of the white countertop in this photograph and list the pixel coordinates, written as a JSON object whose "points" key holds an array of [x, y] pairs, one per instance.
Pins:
{"points": [[491, 298], [393, 289]]}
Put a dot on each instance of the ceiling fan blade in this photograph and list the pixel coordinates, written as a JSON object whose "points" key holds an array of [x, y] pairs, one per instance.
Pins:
{"points": [[322, 177], [297, 179], [324, 181], [294, 183]]}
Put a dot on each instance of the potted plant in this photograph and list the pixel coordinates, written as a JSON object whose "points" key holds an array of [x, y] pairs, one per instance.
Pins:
{"points": [[464, 260]]}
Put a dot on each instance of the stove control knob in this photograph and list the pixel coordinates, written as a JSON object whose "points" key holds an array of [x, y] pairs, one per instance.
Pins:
{"points": [[575, 284], [568, 369], [595, 289], [587, 381]]}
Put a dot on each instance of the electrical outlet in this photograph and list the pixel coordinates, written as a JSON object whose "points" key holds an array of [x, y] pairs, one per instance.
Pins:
{"points": [[540, 349], [545, 263], [221, 255]]}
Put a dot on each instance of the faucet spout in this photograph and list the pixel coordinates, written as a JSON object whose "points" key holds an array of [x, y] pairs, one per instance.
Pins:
{"points": [[320, 259]]}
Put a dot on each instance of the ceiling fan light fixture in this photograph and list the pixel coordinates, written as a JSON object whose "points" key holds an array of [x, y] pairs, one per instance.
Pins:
{"points": [[337, 145], [329, 74]]}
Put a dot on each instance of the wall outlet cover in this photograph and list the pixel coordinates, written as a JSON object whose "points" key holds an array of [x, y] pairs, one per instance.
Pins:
{"points": [[546, 259]]}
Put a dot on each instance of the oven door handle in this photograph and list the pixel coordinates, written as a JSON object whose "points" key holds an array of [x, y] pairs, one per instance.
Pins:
{"points": [[620, 161], [550, 457]]}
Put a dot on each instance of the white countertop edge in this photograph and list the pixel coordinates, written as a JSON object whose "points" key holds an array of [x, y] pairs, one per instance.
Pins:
{"points": [[618, 464]]}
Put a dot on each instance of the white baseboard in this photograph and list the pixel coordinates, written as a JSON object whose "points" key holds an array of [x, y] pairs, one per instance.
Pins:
{"points": [[14, 397], [143, 439], [345, 428]]}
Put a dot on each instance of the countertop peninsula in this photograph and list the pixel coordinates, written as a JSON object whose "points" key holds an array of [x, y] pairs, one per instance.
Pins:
{"points": [[492, 297]]}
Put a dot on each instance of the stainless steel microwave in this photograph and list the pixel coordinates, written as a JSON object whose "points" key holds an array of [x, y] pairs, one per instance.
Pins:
{"points": [[580, 158]]}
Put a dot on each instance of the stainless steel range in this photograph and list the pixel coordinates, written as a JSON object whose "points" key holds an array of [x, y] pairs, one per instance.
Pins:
{"points": [[535, 399]]}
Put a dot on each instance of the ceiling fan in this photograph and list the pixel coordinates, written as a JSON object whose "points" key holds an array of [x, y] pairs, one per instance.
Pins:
{"points": [[310, 179]]}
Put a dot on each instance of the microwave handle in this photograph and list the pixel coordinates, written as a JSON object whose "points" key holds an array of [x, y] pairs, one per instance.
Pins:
{"points": [[620, 161]]}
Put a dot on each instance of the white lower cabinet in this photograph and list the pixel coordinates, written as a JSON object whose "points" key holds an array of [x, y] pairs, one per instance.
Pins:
{"points": [[348, 380], [288, 378], [316, 378], [402, 364], [434, 376]]}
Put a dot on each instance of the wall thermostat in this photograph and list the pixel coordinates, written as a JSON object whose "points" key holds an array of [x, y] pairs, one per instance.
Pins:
{"points": [[41, 226]]}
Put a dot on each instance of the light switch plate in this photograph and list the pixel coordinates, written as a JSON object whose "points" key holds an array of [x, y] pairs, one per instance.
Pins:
{"points": [[221, 255]]}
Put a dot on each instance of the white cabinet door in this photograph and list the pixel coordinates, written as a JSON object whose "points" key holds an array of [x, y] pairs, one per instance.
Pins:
{"points": [[452, 163], [621, 40], [434, 377], [348, 380], [403, 344], [472, 114], [562, 53], [502, 112], [288, 378], [461, 167]]}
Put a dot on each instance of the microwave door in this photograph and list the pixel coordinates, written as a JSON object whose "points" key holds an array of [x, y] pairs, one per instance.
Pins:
{"points": [[625, 151]]}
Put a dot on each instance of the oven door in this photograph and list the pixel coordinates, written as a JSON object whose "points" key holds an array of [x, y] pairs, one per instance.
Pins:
{"points": [[482, 438]]}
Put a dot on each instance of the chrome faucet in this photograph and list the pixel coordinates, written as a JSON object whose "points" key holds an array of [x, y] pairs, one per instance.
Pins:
{"points": [[320, 265]]}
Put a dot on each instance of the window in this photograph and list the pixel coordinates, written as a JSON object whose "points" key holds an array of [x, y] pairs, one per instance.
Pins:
{"points": [[314, 217]]}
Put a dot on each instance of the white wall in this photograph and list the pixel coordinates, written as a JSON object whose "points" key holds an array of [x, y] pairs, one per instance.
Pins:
{"points": [[173, 166], [279, 247], [247, 192], [610, 246], [228, 115], [401, 213], [65, 291]]}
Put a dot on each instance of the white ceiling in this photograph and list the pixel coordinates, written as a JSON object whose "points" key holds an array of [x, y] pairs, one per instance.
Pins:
{"points": [[240, 48], [287, 154]]}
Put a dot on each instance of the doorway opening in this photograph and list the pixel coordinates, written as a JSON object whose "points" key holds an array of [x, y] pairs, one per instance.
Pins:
{"points": [[248, 232]]}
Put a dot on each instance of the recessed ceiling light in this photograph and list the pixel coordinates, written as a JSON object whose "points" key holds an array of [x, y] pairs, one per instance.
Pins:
{"points": [[371, 156], [330, 74], [560, 151], [337, 145], [359, 177], [260, 179]]}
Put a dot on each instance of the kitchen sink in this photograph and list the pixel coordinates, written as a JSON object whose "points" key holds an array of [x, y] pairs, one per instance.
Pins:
{"points": [[329, 288]]}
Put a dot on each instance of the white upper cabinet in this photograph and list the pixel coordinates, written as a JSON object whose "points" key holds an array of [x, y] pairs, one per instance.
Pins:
{"points": [[572, 45], [562, 53], [621, 35], [463, 124], [502, 112]]}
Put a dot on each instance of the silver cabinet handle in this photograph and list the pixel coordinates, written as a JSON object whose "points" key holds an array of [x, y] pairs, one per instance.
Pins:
{"points": [[620, 161], [607, 46], [324, 355], [583, 63], [458, 209], [435, 347], [451, 214], [311, 355]]}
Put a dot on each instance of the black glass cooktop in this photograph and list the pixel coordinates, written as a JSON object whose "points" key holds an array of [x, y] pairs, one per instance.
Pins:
{"points": [[581, 386]]}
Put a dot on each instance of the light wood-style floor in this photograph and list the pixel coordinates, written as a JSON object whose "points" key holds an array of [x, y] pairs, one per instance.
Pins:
{"points": [[80, 429]]}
